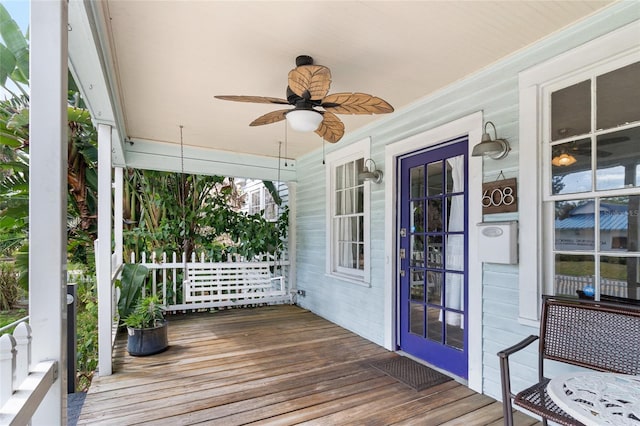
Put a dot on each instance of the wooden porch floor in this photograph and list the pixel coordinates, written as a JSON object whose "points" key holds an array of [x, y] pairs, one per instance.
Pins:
{"points": [[276, 365]]}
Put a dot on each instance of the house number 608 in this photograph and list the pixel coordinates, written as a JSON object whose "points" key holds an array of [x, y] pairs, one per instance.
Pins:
{"points": [[498, 197]]}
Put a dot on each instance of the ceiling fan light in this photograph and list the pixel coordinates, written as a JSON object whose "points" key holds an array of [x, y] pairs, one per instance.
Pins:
{"points": [[563, 159], [304, 120]]}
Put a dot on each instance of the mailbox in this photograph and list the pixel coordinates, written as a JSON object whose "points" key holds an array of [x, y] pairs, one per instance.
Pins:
{"points": [[498, 242]]}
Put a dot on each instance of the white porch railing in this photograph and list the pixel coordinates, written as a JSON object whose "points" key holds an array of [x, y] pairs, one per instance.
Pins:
{"points": [[23, 386], [167, 279], [568, 284]]}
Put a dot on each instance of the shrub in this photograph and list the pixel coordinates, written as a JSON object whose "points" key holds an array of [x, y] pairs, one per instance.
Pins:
{"points": [[8, 286]]}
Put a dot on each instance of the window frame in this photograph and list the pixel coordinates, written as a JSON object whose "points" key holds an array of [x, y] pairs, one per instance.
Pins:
{"points": [[353, 152], [597, 195], [613, 50]]}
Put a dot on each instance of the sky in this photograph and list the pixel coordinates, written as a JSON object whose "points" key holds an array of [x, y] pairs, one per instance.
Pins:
{"points": [[19, 11]]}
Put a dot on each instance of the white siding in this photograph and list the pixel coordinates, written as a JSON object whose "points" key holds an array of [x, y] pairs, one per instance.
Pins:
{"points": [[495, 92]]}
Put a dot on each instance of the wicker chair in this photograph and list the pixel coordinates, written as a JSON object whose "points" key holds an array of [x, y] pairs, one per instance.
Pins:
{"points": [[602, 336]]}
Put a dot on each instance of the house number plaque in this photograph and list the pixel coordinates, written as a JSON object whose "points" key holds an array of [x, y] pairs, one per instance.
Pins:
{"points": [[500, 196]]}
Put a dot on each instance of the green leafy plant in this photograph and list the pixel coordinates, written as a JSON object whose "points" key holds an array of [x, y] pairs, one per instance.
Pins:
{"points": [[148, 313], [8, 286], [133, 278], [86, 331]]}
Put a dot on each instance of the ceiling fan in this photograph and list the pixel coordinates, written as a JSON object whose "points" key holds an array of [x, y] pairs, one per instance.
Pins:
{"points": [[308, 88]]}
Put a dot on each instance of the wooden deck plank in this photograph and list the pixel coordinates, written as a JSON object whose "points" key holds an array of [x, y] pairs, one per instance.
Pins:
{"points": [[275, 365]]}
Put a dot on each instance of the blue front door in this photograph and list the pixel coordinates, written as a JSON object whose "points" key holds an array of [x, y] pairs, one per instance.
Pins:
{"points": [[433, 256]]}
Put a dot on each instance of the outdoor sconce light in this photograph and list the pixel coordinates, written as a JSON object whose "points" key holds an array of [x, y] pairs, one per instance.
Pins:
{"points": [[304, 120], [373, 174], [493, 148]]}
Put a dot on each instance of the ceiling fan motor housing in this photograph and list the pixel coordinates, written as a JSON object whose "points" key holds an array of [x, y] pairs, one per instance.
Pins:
{"points": [[304, 60]]}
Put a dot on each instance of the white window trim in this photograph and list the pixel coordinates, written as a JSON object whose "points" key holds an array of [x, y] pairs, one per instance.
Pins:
{"points": [[616, 48], [360, 149]]}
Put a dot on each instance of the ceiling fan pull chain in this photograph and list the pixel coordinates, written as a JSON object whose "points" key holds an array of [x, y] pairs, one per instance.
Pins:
{"points": [[323, 151], [183, 202], [286, 140]]}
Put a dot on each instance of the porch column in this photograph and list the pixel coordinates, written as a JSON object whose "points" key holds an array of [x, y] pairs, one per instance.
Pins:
{"points": [[103, 254], [118, 214], [48, 199]]}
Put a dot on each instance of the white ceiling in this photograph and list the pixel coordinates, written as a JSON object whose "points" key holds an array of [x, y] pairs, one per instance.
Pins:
{"points": [[171, 57]]}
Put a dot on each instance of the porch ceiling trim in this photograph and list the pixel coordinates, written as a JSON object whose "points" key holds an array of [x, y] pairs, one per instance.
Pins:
{"points": [[156, 155], [88, 68]]}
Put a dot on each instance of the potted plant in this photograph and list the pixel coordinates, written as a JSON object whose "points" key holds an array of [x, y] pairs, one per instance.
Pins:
{"points": [[146, 328]]}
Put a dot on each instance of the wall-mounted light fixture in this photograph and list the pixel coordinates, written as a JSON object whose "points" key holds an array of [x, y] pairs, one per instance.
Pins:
{"points": [[493, 148], [304, 120], [372, 174]]}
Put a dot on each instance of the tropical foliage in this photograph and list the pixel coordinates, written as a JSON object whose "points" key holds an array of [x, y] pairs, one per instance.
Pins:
{"points": [[167, 211], [186, 213]]}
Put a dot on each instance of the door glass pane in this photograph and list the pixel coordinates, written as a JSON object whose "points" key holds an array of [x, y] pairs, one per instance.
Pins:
{"points": [[434, 288], [571, 111], [455, 174], [416, 318], [619, 276], [455, 213], [434, 324], [434, 178], [455, 252], [417, 216], [434, 251], [619, 223], [416, 257], [417, 285], [454, 291], [434, 215], [618, 157], [417, 182], [618, 95], [571, 167], [455, 332], [573, 273], [575, 225]]}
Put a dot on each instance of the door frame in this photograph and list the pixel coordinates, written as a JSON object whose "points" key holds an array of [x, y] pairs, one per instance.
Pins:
{"points": [[471, 126]]}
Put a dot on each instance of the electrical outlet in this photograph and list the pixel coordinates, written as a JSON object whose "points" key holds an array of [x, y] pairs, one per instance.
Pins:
{"points": [[302, 293]]}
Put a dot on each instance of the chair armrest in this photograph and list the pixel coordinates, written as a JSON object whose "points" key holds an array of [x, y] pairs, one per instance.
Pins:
{"points": [[505, 377], [517, 347]]}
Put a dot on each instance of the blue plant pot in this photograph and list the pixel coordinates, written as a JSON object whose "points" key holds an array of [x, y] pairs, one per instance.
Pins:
{"points": [[147, 341]]}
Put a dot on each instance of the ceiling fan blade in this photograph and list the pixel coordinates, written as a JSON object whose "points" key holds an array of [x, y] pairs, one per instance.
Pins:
{"points": [[355, 103], [314, 79], [253, 99], [271, 117], [331, 128]]}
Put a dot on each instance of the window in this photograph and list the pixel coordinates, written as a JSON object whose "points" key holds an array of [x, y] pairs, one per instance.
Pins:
{"points": [[578, 114], [348, 214], [592, 189], [270, 207], [255, 204]]}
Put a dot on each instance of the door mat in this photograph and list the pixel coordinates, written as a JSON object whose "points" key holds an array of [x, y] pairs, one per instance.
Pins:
{"points": [[410, 373]]}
